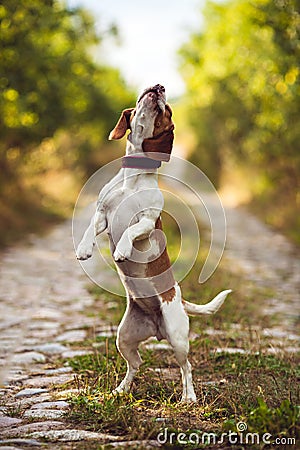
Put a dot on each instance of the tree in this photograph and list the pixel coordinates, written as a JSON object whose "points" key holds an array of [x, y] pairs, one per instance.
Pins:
{"points": [[57, 106], [242, 76], [48, 78]]}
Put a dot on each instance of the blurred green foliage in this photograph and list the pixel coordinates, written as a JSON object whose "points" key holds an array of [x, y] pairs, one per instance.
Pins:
{"points": [[57, 105], [48, 77], [242, 75]]}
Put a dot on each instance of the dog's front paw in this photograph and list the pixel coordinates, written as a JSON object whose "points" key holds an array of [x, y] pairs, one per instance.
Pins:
{"points": [[122, 253], [118, 256], [84, 251]]}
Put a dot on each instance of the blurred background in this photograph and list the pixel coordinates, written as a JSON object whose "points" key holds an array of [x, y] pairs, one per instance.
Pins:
{"points": [[68, 68]]}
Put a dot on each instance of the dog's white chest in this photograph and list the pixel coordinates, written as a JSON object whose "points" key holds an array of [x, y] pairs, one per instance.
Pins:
{"points": [[124, 208]]}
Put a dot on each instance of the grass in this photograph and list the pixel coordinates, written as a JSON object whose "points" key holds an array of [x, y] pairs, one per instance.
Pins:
{"points": [[275, 203], [31, 205], [256, 388], [244, 382], [230, 387], [21, 214]]}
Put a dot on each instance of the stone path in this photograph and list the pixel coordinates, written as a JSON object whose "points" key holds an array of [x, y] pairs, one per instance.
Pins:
{"points": [[270, 261], [43, 298]]}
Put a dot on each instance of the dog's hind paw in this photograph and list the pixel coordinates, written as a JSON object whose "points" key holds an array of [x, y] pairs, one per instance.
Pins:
{"points": [[122, 389], [189, 399]]}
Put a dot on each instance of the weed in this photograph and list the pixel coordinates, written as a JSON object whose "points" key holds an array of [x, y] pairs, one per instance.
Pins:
{"points": [[154, 400], [13, 410], [228, 385], [283, 420]]}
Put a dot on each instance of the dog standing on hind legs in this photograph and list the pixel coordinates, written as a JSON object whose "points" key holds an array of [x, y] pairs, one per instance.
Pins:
{"points": [[129, 209]]}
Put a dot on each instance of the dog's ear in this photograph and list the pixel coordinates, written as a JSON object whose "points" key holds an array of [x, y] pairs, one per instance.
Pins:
{"points": [[160, 145], [122, 125]]}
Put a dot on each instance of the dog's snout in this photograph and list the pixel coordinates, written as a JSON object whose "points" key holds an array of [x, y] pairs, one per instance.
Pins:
{"points": [[159, 88], [154, 92]]}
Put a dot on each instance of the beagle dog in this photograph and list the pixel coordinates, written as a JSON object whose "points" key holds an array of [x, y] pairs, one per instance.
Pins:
{"points": [[129, 209]]}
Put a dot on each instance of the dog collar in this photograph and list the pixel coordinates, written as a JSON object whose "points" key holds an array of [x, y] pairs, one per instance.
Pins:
{"points": [[139, 162]]}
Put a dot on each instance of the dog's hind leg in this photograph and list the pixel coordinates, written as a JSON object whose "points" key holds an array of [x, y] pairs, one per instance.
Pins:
{"points": [[134, 328], [129, 351], [176, 324]]}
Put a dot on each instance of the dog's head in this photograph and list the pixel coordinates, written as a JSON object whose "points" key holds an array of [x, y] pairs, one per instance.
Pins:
{"points": [[150, 122]]}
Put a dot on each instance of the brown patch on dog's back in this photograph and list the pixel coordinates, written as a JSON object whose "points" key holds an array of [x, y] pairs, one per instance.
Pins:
{"points": [[169, 295], [162, 263], [160, 270]]}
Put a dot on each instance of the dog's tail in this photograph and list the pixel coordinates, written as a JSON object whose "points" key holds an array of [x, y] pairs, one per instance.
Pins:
{"points": [[208, 308]]}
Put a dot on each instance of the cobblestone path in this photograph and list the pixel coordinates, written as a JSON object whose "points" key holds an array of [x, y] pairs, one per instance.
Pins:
{"points": [[270, 261], [43, 298]]}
